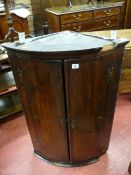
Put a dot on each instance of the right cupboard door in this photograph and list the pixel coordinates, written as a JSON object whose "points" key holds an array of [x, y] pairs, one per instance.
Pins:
{"points": [[88, 89]]}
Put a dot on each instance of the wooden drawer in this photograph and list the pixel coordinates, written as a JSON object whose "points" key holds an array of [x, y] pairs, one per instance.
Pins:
{"points": [[78, 27], [107, 12], [74, 17], [92, 25], [106, 22]]}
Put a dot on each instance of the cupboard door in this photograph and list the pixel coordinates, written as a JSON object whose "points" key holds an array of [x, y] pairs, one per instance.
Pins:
{"points": [[43, 88], [86, 89]]}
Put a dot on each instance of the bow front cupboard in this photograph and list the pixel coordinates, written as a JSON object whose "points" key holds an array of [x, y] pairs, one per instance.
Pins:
{"points": [[68, 86]]}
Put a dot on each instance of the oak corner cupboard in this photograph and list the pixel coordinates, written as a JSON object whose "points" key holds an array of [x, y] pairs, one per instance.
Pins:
{"points": [[68, 87]]}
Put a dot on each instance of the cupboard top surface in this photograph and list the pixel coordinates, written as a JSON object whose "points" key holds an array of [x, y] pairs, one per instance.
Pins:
{"points": [[63, 42], [84, 7]]}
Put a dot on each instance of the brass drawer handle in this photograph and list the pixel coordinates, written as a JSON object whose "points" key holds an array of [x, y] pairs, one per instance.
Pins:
{"points": [[107, 12], [77, 29], [77, 16], [107, 23]]}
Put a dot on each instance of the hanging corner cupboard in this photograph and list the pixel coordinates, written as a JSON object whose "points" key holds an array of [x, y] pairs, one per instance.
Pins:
{"points": [[68, 86]]}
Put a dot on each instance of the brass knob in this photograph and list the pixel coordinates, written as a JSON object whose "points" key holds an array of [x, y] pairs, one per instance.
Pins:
{"points": [[107, 12], [100, 117], [77, 28], [77, 16], [107, 23]]}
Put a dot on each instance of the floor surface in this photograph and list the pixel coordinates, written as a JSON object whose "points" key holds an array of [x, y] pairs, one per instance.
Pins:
{"points": [[16, 150]]}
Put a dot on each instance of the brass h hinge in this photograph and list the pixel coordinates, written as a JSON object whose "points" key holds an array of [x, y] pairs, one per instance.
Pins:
{"points": [[110, 74], [20, 73]]}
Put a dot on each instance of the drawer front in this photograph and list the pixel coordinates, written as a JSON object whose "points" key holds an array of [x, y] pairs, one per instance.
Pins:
{"points": [[106, 22], [92, 25], [76, 28], [74, 17], [107, 12]]}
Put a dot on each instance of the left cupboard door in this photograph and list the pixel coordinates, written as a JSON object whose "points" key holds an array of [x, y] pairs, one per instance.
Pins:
{"points": [[40, 83]]}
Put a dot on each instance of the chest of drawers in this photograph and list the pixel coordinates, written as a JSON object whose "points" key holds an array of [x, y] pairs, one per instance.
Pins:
{"points": [[85, 17]]}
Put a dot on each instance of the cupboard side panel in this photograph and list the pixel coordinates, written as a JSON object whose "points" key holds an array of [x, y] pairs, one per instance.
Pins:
{"points": [[112, 61], [23, 98]]}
